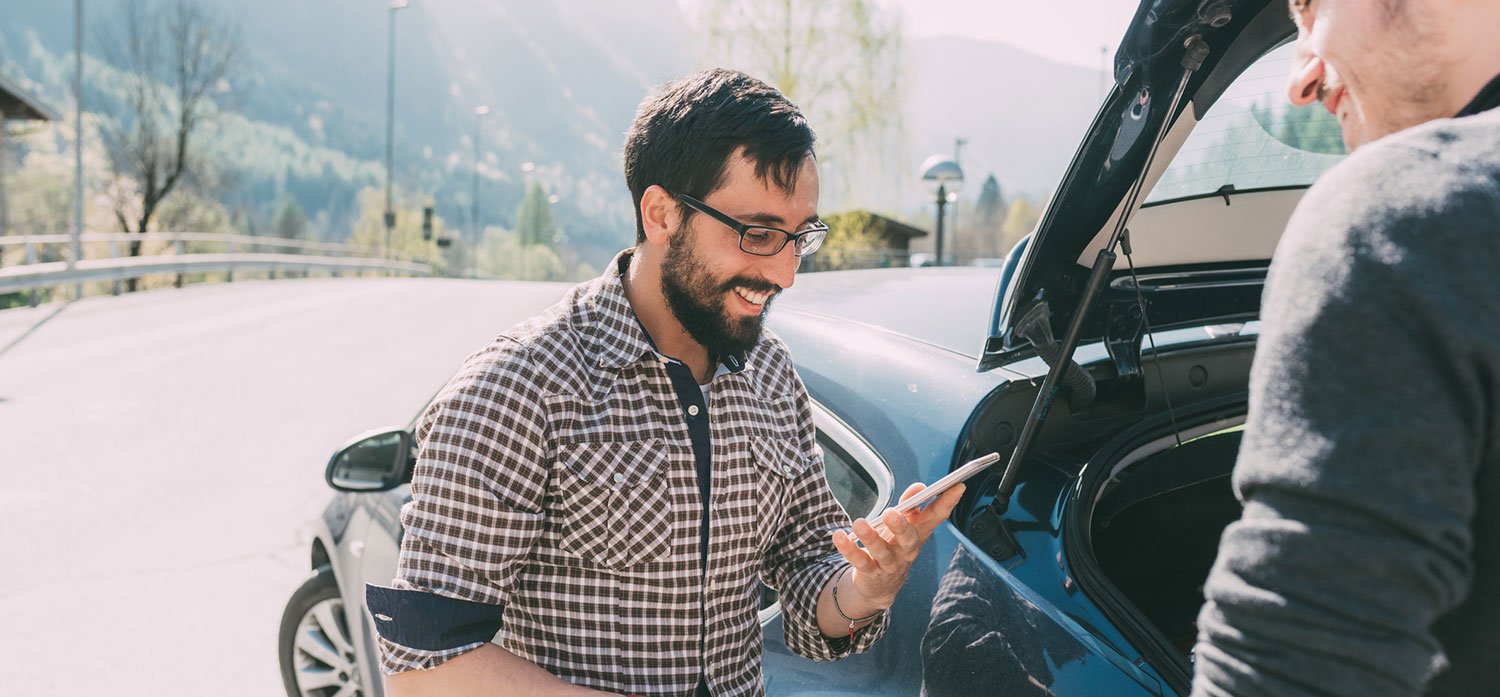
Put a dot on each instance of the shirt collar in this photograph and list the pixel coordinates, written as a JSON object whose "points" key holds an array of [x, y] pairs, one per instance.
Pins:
{"points": [[1488, 98], [618, 339]]}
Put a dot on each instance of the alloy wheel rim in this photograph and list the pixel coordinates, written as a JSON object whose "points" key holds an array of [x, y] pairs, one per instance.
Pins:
{"points": [[322, 655]]}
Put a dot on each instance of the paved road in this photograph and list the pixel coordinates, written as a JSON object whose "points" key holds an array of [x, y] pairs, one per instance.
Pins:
{"points": [[160, 454]]}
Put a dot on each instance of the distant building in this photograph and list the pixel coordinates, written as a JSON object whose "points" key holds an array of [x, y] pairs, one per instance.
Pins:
{"points": [[15, 105], [888, 243]]}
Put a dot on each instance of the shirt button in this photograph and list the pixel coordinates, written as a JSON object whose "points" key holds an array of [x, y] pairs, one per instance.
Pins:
{"points": [[692, 410], [619, 477]]}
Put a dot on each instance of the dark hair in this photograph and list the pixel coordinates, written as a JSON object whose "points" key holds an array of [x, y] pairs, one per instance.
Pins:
{"points": [[686, 130]]}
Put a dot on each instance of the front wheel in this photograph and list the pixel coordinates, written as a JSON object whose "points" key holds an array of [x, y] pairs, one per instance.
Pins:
{"points": [[317, 657]]}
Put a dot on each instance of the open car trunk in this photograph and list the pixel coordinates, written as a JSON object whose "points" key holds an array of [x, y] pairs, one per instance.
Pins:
{"points": [[1157, 524], [1146, 519]]}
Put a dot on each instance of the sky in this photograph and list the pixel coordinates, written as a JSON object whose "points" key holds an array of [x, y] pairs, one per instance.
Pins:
{"points": [[1066, 31]]}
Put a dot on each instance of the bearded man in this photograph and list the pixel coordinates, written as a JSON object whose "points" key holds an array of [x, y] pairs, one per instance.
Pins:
{"points": [[601, 490]]}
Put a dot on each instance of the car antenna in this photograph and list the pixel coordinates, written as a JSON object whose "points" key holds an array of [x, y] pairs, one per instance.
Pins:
{"points": [[1192, 59]]}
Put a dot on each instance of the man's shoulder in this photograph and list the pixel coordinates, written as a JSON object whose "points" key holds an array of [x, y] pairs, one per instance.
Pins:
{"points": [[539, 352], [1425, 188], [1416, 173]]}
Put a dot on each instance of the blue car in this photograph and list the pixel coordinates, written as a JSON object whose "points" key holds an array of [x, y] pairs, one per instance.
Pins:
{"points": [[1106, 361]]}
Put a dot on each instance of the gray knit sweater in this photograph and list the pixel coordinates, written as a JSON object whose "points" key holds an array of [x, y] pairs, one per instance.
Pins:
{"points": [[1367, 561]]}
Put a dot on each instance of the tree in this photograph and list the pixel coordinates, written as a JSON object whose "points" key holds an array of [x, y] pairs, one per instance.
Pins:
{"points": [[504, 255], [1019, 221], [853, 242], [174, 56], [534, 223], [406, 238], [291, 223], [990, 206], [840, 61]]}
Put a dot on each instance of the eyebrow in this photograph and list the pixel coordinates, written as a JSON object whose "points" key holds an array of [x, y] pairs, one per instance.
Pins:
{"points": [[771, 219]]}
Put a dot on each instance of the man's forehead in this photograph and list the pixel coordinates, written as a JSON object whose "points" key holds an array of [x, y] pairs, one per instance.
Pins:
{"points": [[745, 176]]}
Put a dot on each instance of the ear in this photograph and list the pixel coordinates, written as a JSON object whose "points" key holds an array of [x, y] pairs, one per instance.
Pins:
{"points": [[659, 215]]}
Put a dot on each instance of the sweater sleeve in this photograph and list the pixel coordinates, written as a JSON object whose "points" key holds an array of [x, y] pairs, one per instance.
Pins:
{"points": [[1369, 403]]}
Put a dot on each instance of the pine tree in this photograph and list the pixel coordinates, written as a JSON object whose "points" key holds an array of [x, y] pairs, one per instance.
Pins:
{"points": [[291, 224], [991, 204], [534, 223]]}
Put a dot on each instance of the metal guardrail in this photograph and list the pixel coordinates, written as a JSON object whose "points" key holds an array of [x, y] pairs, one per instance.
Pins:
{"points": [[32, 274], [56, 273], [246, 240]]}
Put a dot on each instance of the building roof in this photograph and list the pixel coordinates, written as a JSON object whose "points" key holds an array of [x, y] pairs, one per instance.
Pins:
{"points": [[890, 229], [15, 104]]}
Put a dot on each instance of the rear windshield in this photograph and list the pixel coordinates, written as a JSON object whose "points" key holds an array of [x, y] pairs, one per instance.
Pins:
{"points": [[1252, 138]]}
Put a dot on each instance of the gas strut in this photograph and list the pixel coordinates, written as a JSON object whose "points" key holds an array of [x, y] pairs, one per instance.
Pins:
{"points": [[1192, 60]]}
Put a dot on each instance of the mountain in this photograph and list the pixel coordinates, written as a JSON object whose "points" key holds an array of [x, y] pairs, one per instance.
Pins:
{"points": [[561, 79], [1023, 115]]}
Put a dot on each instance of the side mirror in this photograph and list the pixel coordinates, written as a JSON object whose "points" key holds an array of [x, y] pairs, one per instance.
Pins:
{"points": [[378, 460]]}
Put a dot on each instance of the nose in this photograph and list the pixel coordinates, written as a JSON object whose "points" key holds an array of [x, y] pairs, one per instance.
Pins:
{"points": [[1307, 77], [781, 268]]}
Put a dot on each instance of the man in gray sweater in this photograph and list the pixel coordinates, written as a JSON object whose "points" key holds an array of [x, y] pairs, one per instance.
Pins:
{"points": [[1367, 561]]}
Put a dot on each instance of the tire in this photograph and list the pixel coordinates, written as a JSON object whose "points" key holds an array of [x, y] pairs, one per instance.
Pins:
{"points": [[317, 656]]}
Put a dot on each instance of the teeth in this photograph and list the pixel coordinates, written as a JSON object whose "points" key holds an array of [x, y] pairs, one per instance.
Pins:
{"points": [[754, 298]]}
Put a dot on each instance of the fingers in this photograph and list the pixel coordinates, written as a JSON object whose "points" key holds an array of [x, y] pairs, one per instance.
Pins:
{"points": [[912, 490], [938, 511], [901, 531], [857, 558], [878, 547]]}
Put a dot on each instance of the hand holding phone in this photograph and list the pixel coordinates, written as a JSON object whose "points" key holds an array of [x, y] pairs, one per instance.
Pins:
{"points": [[936, 489]]}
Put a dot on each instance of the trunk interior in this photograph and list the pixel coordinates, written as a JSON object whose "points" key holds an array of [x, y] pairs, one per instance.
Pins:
{"points": [[1157, 523]]}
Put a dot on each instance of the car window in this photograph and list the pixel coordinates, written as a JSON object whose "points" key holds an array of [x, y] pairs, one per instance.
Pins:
{"points": [[851, 485], [1252, 138]]}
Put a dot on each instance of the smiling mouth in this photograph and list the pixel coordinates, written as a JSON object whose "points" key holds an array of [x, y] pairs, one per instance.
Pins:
{"points": [[757, 298]]}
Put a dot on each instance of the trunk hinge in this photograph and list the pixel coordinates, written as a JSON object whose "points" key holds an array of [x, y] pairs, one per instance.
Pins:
{"points": [[1123, 331]]}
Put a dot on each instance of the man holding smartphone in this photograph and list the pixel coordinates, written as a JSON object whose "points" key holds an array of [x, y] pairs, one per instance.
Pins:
{"points": [[602, 489]]}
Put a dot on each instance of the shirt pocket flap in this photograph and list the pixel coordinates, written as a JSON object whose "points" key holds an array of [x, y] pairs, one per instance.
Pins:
{"points": [[615, 464], [781, 456]]}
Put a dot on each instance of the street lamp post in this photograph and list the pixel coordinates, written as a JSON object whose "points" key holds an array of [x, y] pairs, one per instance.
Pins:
{"points": [[942, 178], [77, 230], [474, 228], [390, 122]]}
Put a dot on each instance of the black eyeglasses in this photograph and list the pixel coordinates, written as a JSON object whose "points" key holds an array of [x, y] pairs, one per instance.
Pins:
{"points": [[761, 240]]}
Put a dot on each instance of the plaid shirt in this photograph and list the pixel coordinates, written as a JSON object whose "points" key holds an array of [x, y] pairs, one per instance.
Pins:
{"points": [[555, 481]]}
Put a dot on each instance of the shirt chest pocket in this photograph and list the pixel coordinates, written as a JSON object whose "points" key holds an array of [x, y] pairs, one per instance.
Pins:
{"points": [[614, 503], [778, 465]]}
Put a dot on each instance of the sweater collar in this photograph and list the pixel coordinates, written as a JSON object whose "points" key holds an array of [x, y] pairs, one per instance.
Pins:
{"points": [[1488, 98]]}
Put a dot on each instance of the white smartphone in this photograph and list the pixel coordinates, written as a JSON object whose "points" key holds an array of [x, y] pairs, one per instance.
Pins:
{"points": [[937, 488]]}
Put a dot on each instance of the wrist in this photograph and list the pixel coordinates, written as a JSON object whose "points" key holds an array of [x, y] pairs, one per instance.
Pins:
{"points": [[867, 600], [859, 602]]}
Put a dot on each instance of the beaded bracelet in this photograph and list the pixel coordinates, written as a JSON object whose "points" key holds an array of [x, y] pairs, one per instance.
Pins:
{"points": [[852, 621]]}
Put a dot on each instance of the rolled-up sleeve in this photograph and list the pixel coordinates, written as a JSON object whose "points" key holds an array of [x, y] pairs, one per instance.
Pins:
{"points": [[474, 516], [802, 559]]}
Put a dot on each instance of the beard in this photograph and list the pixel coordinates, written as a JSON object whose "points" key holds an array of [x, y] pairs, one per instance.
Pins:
{"points": [[696, 299]]}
